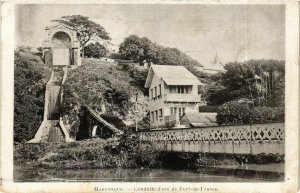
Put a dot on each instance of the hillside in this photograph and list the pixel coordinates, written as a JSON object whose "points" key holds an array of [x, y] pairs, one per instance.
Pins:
{"points": [[31, 76], [96, 82], [100, 83]]}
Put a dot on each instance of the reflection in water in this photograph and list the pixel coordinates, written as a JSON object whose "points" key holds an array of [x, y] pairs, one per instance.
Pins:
{"points": [[148, 175]]}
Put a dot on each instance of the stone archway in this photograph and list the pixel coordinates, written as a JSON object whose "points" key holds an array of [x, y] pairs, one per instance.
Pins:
{"points": [[61, 49], [61, 39]]}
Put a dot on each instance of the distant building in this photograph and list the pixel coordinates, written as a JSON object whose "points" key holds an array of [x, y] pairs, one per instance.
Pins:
{"points": [[173, 91], [215, 66]]}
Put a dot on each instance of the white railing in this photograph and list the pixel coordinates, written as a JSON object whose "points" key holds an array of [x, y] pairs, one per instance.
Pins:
{"points": [[182, 98], [238, 139]]}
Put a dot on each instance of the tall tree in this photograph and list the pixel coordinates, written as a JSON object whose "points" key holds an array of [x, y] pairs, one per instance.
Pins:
{"points": [[86, 29], [139, 49], [144, 50], [259, 80], [95, 50]]}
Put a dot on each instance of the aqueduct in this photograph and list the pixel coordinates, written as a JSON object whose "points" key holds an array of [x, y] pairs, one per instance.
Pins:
{"points": [[61, 51]]}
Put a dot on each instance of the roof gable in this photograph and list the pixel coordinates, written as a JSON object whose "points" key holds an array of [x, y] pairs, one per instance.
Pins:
{"points": [[59, 25], [172, 75]]}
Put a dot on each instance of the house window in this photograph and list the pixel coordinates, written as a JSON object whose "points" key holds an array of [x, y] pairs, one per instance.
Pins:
{"points": [[155, 91], [173, 89], [182, 89], [181, 111], [156, 115], [152, 116], [160, 113], [159, 90], [151, 93], [173, 110]]}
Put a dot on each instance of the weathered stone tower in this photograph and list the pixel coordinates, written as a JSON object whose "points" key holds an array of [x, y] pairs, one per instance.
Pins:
{"points": [[61, 50]]}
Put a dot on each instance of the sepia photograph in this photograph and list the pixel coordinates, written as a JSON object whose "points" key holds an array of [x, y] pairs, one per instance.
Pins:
{"points": [[133, 92], [149, 93]]}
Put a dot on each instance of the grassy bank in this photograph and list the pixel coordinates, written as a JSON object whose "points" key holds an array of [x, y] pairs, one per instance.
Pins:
{"points": [[121, 152]]}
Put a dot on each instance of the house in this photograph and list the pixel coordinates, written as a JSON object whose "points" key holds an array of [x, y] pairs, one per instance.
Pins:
{"points": [[198, 119], [173, 91]]}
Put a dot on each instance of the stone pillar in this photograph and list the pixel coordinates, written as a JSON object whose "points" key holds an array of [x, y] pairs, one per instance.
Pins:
{"points": [[47, 56], [76, 49], [78, 63]]}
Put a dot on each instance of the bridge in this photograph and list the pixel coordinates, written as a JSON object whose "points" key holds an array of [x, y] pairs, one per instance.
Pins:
{"points": [[239, 139]]}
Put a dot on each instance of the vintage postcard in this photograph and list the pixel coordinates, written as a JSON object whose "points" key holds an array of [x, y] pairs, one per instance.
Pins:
{"points": [[140, 96]]}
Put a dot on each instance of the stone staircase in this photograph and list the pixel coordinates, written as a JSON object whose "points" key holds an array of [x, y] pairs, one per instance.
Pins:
{"points": [[52, 132], [52, 129]]}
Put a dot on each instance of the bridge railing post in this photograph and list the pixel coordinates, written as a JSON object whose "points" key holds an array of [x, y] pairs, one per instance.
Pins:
{"points": [[250, 141]]}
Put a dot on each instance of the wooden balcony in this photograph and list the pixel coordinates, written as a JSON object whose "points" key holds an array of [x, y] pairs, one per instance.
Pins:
{"points": [[182, 98]]}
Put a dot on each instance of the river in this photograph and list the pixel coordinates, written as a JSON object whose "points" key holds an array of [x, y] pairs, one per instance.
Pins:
{"points": [[252, 173]]}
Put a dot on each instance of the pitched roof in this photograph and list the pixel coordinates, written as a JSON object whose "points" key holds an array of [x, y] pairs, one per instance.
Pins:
{"points": [[172, 75], [201, 119]]}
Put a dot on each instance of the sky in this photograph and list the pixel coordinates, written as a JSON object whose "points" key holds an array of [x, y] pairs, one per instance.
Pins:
{"points": [[232, 32]]}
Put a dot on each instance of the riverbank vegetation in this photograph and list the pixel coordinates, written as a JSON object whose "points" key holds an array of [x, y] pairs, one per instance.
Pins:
{"points": [[123, 152]]}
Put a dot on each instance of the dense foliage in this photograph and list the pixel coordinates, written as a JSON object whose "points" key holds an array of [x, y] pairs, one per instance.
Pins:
{"points": [[123, 152], [138, 75], [86, 29], [95, 50], [262, 81], [241, 112], [29, 86], [98, 83], [143, 50]]}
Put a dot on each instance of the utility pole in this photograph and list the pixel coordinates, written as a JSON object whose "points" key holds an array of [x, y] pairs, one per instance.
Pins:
{"points": [[136, 111]]}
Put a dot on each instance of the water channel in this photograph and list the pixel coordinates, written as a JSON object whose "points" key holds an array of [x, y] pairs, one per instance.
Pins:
{"points": [[252, 173]]}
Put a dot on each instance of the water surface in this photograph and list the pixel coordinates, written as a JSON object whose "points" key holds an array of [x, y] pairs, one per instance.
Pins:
{"points": [[150, 175]]}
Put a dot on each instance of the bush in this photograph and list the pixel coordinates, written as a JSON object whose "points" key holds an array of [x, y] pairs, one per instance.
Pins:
{"points": [[28, 152], [95, 50], [235, 112], [137, 73], [30, 77], [103, 83]]}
